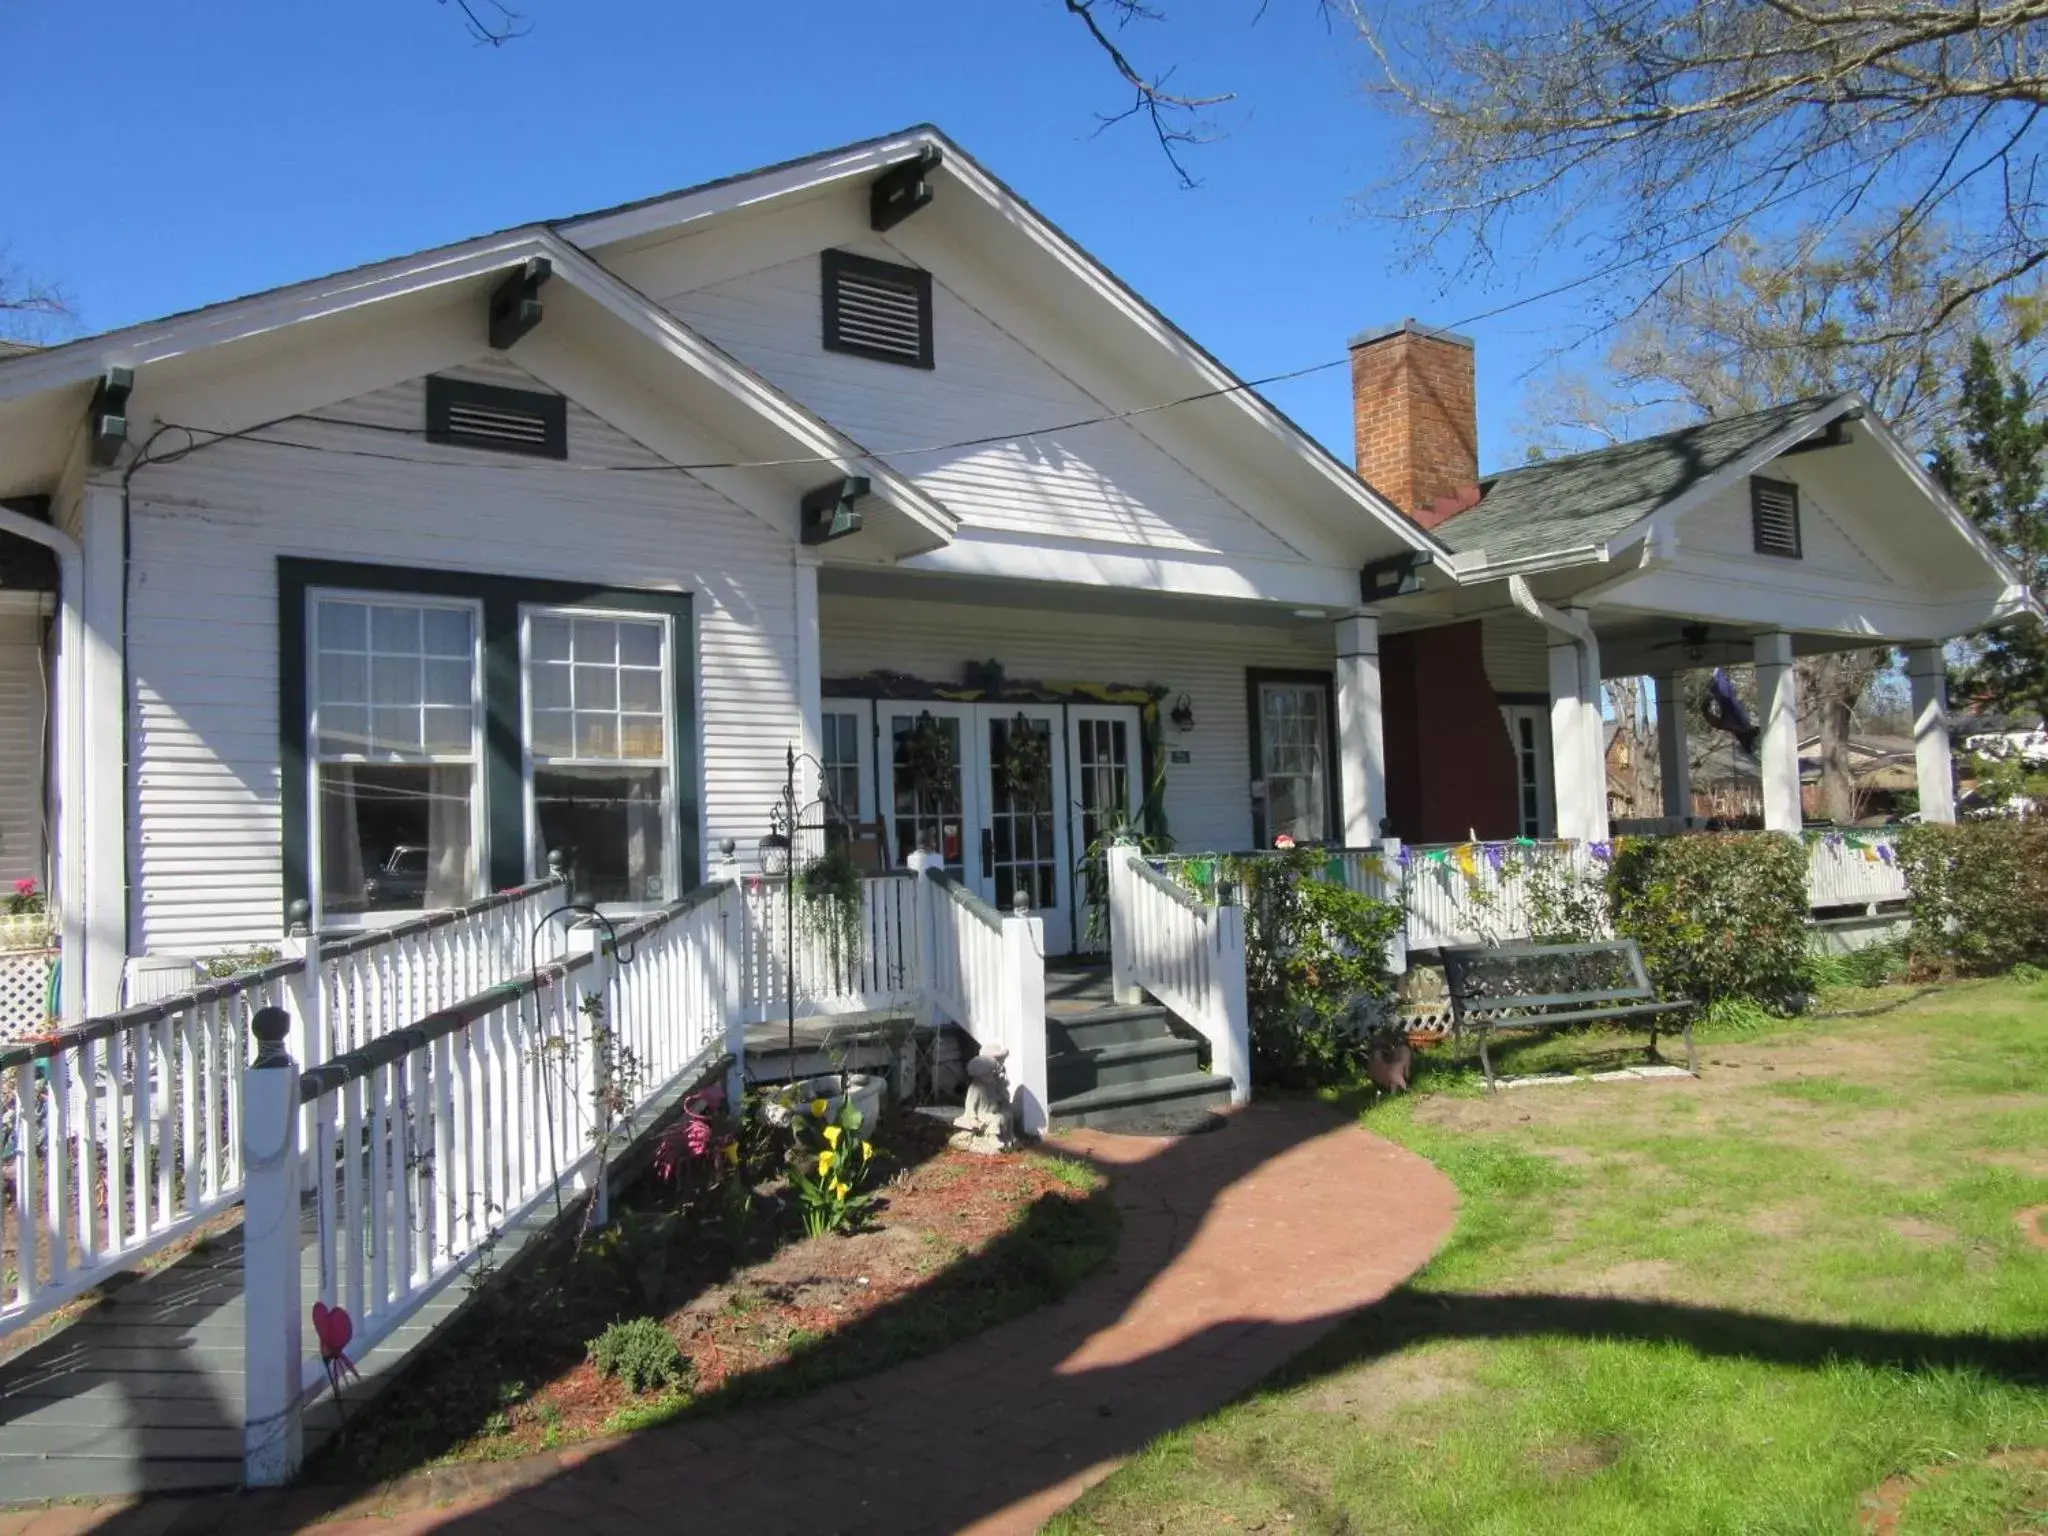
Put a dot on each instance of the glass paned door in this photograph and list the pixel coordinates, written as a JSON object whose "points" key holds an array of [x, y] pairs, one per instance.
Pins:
{"points": [[1105, 773], [1529, 733], [1293, 743], [1023, 774], [928, 783]]}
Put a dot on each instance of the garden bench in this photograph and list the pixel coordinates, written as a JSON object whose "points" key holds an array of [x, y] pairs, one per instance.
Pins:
{"points": [[1549, 986]]}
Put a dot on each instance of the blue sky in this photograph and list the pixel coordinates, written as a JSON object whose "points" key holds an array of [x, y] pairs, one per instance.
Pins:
{"points": [[168, 156]]}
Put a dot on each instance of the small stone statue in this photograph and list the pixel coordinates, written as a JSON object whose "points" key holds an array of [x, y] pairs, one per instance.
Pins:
{"points": [[988, 1121]]}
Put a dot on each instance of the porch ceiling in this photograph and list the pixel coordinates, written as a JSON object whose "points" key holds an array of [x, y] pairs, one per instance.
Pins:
{"points": [[1058, 598]]}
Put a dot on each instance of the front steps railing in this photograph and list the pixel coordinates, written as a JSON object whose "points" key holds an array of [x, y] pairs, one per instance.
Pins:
{"points": [[1167, 942]]}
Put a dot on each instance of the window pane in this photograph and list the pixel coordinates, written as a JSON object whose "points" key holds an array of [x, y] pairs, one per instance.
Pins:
{"points": [[344, 679], [640, 644], [447, 631], [394, 680], [554, 733], [344, 626], [607, 824], [596, 735], [550, 687], [344, 728], [447, 682], [596, 640], [639, 689], [395, 629], [550, 639], [448, 730], [640, 736], [395, 837], [597, 688], [395, 730]]}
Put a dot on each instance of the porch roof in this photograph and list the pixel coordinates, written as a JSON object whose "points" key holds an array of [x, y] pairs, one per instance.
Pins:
{"points": [[1585, 500]]}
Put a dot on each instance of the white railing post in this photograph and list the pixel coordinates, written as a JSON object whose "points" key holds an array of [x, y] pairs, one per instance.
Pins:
{"points": [[307, 1043], [1231, 1049], [732, 961], [924, 941], [273, 1436], [1024, 966], [1394, 889], [1123, 980]]}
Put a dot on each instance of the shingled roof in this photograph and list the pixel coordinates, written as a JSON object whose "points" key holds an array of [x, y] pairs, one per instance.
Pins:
{"points": [[1558, 504]]}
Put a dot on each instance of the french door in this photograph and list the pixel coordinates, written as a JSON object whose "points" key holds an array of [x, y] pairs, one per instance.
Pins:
{"points": [[1105, 770]]}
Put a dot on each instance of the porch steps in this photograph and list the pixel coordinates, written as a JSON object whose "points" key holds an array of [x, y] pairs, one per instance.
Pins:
{"points": [[1122, 1067]]}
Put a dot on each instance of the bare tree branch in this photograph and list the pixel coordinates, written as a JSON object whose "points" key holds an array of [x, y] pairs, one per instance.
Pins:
{"points": [[491, 21], [1176, 119]]}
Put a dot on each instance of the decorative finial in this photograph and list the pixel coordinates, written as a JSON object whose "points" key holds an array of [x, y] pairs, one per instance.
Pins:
{"points": [[556, 863], [270, 1026], [298, 918]]}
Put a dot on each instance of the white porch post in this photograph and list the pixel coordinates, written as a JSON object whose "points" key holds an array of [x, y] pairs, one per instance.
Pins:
{"points": [[1777, 698], [100, 737], [1927, 671], [1567, 740], [1674, 760], [1361, 731], [1592, 724], [809, 659]]}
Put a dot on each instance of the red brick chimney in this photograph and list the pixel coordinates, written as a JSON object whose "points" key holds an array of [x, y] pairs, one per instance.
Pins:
{"points": [[1416, 413]]}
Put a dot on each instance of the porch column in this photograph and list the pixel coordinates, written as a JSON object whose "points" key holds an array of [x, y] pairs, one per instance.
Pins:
{"points": [[1927, 671], [809, 664], [1361, 732], [1592, 721], [1777, 705], [103, 537], [1674, 760], [1567, 741]]}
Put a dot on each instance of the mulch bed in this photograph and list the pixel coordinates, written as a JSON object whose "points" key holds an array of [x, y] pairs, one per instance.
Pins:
{"points": [[957, 1243]]}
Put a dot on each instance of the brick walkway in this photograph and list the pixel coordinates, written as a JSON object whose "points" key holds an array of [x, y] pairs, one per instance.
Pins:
{"points": [[1239, 1249]]}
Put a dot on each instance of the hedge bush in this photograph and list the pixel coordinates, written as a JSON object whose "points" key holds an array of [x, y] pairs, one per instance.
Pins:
{"points": [[642, 1354], [1718, 915], [1980, 894]]}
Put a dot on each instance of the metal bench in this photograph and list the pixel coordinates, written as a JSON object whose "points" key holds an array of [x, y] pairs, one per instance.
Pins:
{"points": [[1549, 986]]}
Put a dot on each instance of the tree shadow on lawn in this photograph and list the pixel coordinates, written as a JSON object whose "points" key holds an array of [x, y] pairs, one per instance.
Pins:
{"points": [[957, 1437]]}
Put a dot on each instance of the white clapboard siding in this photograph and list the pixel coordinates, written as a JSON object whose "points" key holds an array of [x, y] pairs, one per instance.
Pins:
{"points": [[1722, 527], [1208, 800], [1517, 653], [203, 646], [1102, 482], [22, 717]]}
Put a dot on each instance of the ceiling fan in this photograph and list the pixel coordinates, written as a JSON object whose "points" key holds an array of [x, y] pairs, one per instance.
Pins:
{"points": [[1693, 638]]}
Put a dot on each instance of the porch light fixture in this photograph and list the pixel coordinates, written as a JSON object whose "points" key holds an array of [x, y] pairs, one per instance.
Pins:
{"points": [[774, 851], [1183, 715]]}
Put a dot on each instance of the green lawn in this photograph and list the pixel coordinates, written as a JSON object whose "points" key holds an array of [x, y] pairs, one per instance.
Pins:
{"points": [[1793, 1296]]}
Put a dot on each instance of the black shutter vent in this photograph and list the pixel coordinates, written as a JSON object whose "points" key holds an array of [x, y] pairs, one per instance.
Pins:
{"points": [[877, 309], [489, 416], [1774, 518]]}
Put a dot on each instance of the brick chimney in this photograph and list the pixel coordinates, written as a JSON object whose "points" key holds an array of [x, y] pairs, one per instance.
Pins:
{"points": [[1416, 414]]}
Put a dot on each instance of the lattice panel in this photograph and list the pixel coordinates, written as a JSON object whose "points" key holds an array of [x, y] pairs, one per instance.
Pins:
{"points": [[24, 991]]}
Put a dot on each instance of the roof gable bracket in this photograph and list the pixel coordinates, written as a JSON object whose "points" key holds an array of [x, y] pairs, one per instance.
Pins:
{"points": [[107, 416], [1396, 576], [902, 189], [515, 303], [829, 512]]}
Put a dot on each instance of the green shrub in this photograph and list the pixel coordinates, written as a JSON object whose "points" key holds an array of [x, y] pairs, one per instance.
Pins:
{"points": [[1316, 974], [1980, 893], [1718, 915], [641, 1353]]}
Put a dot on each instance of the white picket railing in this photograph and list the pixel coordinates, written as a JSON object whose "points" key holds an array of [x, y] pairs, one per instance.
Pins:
{"points": [[1858, 869], [389, 978], [1187, 953], [986, 971], [120, 1136], [876, 975]]}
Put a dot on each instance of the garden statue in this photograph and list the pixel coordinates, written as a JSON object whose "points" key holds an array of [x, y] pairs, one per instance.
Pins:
{"points": [[1389, 1060], [987, 1122]]}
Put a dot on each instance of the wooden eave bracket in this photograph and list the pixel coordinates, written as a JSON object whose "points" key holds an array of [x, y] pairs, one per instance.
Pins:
{"points": [[1396, 576], [515, 302], [107, 416], [902, 189], [829, 512]]}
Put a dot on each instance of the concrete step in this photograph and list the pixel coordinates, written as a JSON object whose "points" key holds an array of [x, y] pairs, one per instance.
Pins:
{"points": [[1107, 1026], [1159, 1104], [1128, 1062]]}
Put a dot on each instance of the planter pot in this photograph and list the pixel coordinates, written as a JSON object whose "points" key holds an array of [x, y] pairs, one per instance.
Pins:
{"points": [[29, 930], [864, 1088]]}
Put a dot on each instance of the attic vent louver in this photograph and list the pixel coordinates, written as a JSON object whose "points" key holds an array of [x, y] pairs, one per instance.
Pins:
{"points": [[488, 416], [877, 309], [1774, 518]]}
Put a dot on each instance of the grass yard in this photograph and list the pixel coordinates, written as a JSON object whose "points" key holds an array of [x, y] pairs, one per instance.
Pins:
{"points": [[1807, 1293]]}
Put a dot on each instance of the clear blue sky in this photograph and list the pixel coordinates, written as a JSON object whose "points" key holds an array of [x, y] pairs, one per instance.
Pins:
{"points": [[165, 156]]}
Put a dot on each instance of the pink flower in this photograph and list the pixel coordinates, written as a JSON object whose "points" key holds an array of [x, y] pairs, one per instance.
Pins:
{"points": [[26, 886], [1283, 841]]}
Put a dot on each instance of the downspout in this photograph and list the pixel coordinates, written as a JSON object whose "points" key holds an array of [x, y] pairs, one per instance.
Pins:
{"points": [[68, 767], [1580, 633], [1550, 618]]}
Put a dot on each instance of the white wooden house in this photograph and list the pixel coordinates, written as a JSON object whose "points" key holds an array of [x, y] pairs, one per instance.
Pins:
{"points": [[369, 591]]}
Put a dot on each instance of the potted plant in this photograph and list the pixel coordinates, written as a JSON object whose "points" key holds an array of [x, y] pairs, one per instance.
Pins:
{"points": [[26, 923]]}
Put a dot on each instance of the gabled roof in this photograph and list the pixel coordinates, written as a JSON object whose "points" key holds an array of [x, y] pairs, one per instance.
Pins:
{"points": [[1585, 500]]}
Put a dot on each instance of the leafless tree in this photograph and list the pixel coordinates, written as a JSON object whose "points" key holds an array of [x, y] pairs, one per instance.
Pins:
{"points": [[491, 21], [29, 310]]}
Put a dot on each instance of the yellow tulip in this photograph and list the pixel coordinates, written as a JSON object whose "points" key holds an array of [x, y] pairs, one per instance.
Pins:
{"points": [[827, 1161], [732, 1152], [818, 1108], [841, 1189], [832, 1135]]}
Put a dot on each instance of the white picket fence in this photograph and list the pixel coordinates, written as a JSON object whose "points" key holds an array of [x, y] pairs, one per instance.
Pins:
{"points": [[124, 1134], [1188, 953], [876, 974], [1854, 870], [986, 971]]}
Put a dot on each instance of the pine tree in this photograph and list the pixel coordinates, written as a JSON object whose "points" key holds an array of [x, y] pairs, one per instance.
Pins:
{"points": [[1999, 474]]}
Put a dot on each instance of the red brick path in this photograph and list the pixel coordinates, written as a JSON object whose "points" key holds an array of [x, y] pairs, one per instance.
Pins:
{"points": [[1239, 1249]]}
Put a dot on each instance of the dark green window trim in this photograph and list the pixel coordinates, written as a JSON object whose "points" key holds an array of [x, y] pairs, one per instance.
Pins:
{"points": [[501, 597], [1333, 819]]}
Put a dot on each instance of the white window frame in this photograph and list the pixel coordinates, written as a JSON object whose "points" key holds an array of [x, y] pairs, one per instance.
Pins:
{"points": [[316, 885], [863, 710], [671, 875]]}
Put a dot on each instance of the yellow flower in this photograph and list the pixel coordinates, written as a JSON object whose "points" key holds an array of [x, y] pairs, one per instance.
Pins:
{"points": [[827, 1161], [732, 1152], [818, 1108], [841, 1189], [832, 1135]]}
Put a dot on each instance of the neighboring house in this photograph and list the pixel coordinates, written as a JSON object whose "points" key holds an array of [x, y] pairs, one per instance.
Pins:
{"points": [[371, 591]]}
